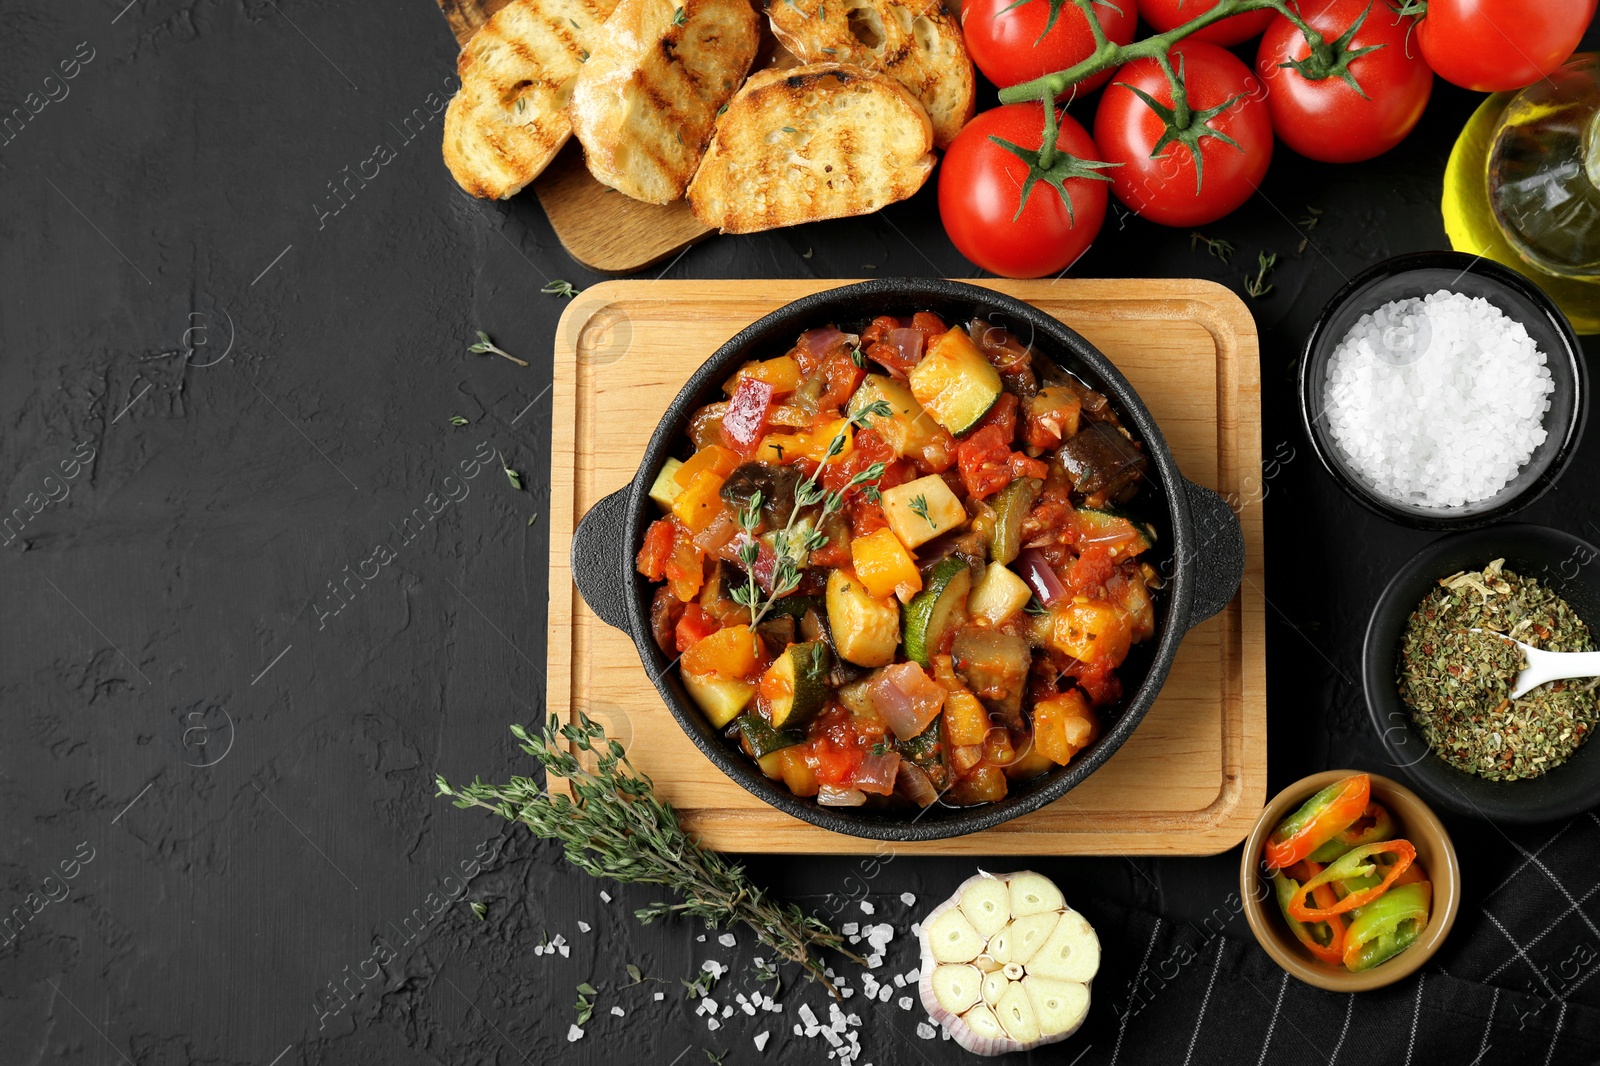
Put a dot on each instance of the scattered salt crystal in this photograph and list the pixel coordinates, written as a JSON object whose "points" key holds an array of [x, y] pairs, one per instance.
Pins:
{"points": [[899, 980], [583, 927], [850, 928], [566, 952], [867, 907], [761, 1040], [748, 1009], [925, 1030], [605, 896], [574, 1034], [874, 961], [831, 1037], [908, 899], [727, 1011], [727, 940], [618, 1012], [701, 939], [797, 1029], [904, 1002], [884, 993], [847, 992], [912, 975], [916, 928], [712, 1023], [808, 1015], [659, 996]]}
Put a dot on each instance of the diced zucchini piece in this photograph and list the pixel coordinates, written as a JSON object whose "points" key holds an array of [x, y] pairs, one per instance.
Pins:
{"points": [[954, 382], [796, 684], [998, 595], [761, 740], [720, 699], [866, 630], [1124, 536], [1011, 508], [938, 610], [665, 488], [909, 428], [922, 509]]}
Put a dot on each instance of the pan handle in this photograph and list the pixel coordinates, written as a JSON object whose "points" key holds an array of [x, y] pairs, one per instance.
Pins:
{"points": [[1218, 555], [600, 559]]}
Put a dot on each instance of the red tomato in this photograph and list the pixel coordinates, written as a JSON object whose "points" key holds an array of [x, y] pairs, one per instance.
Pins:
{"points": [[980, 191], [1015, 42], [1164, 15], [1494, 45], [1327, 119], [1163, 188], [693, 627], [985, 461], [656, 550]]}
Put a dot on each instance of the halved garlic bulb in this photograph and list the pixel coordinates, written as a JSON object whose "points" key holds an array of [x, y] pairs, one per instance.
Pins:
{"points": [[1006, 964]]}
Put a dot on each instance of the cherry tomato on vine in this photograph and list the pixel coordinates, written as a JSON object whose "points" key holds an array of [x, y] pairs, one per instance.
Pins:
{"points": [[1006, 216], [1315, 108], [1164, 15], [1016, 42], [1160, 177], [1494, 45]]}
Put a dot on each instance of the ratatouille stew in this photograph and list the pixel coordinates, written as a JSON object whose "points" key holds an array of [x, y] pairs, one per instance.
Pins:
{"points": [[895, 567]]}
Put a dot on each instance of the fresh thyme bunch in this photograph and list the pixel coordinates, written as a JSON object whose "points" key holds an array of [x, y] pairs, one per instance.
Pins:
{"points": [[791, 544], [613, 826]]}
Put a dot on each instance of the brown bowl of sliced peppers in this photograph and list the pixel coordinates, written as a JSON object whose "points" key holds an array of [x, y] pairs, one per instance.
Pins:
{"points": [[1349, 881]]}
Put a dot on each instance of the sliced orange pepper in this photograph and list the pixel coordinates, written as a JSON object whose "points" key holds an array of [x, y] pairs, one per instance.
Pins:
{"points": [[1318, 821], [1349, 866], [883, 564], [698, 504], [714, 457]]}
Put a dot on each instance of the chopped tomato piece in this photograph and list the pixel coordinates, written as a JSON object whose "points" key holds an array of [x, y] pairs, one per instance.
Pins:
{"points": [[685, 569], [1089, 573], [880, 329], [841, 376], [1003, 414], [652, 560], [985, 460], [929, 324], [694, 626]]}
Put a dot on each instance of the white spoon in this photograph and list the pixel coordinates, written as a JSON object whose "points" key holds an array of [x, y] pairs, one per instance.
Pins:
{"points": [[1549, 665]]}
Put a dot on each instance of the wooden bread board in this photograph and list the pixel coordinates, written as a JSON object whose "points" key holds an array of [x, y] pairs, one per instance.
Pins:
{"points": [[1192, 778], [599, 227]]}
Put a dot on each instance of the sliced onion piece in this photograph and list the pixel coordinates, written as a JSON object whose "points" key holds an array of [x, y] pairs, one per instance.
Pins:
{"points": [[908, 342], [1006, 964], [1039, 575], [832, 796]]}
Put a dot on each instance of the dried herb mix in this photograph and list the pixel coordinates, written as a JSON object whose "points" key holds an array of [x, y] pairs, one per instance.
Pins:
{"points": [[1458, 683]]}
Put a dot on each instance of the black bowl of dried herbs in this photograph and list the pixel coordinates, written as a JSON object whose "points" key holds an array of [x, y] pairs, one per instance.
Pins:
{"points": [[1438, 693]]}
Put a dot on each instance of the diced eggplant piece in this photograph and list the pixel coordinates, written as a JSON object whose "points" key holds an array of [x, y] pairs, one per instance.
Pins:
{"points": [[995, 667], [1102, 462], [665, 610], [775, 482], [777, 630]]}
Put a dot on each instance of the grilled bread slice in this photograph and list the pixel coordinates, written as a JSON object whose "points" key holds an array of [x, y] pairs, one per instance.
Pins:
{"points": [[817, 141], [509, 118], [916, 42], [645, 102]]}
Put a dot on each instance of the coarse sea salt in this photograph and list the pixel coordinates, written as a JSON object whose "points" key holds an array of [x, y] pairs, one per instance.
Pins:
{"points": [[1437, 402]]}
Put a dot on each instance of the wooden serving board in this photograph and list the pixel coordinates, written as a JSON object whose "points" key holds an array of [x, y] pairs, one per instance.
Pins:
{"points": [[1192, 778], [599, 227]]}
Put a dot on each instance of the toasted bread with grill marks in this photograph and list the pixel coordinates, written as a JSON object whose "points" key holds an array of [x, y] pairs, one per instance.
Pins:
{"points": [[811, 142], [916, 42], [509, 118], [645, 102]]}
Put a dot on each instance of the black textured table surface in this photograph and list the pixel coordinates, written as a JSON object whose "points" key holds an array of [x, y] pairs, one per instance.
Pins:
{"points": [[238, 285]]}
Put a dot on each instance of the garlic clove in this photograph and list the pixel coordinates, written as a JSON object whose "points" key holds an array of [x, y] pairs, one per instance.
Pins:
{"points": [[994, 986], [1072, 953], [1016, 1014], [952, 938], [986, 901], [985, 1025], [1061, 1006], [1019, 941], [956, 986], [1033, 893], [986, 962]]}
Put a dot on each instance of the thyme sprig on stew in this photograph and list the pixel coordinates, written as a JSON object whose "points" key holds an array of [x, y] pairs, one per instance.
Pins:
{"points": [[795, 541], [614, 826]]}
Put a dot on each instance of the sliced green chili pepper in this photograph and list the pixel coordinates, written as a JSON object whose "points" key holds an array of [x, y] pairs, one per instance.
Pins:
{"points": [[1375, 824], [1325, 940], [1387, 926], [1318, 821], [1353, 865]]}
